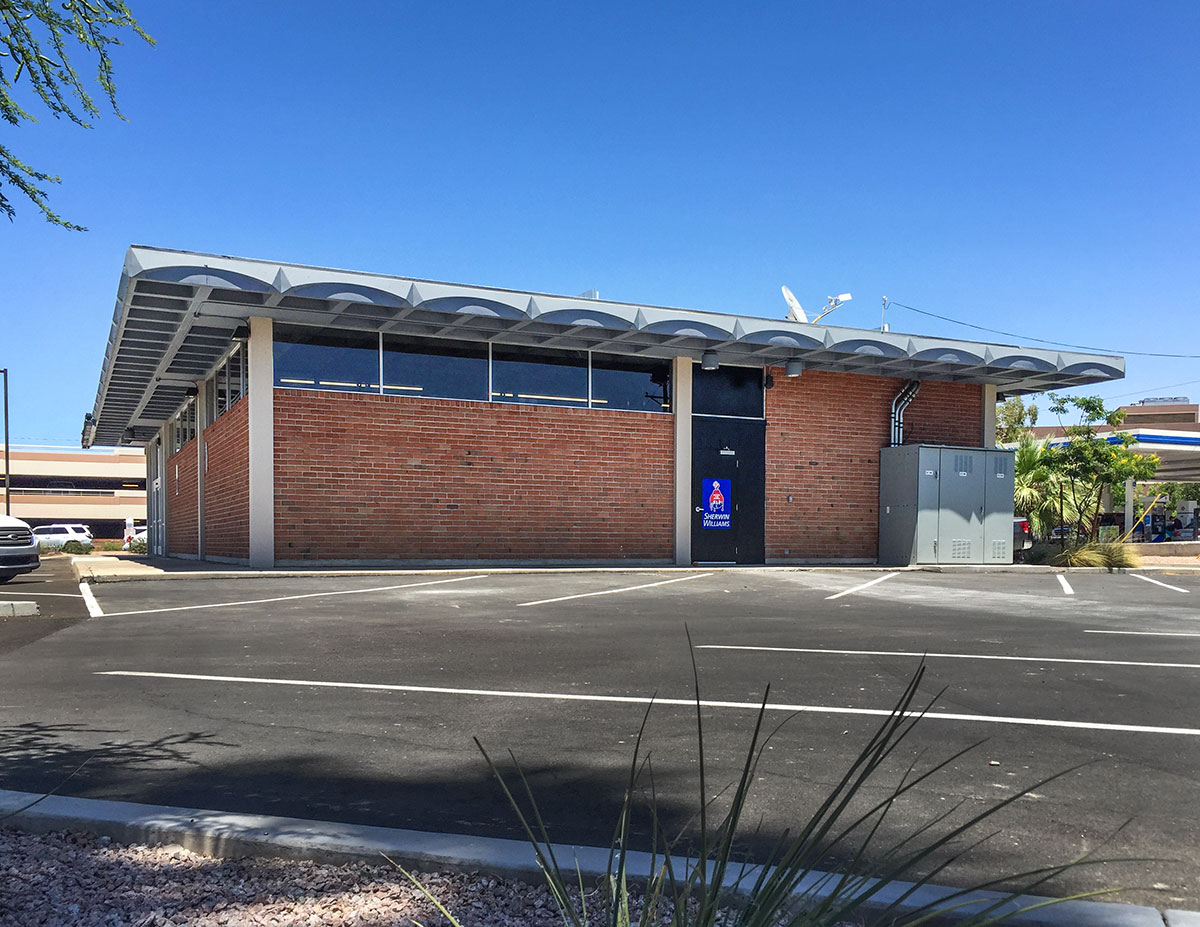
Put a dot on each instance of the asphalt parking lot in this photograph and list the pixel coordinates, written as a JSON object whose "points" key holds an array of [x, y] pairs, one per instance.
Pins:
{"points": [[356, 698], [54, 588]]}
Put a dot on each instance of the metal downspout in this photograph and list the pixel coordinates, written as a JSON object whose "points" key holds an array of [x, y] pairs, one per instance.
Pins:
{"points": [[908, 392]]}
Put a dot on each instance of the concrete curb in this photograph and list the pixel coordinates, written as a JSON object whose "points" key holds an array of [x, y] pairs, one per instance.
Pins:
{"points": [[18, 610], [82, 568], [221, 834]]}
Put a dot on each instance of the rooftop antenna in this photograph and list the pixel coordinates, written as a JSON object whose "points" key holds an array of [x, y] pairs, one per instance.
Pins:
{"points": [[833, 302], [795, 310], [883, 327]]}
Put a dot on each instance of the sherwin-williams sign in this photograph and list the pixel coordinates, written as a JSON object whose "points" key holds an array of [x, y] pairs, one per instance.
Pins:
{"points": [[716, 500]]}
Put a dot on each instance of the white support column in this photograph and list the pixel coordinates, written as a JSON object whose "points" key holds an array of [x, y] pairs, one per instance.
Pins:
{"points": [[154, 501], [989, 415], [681, 407], [201, 456], [260, 395]]}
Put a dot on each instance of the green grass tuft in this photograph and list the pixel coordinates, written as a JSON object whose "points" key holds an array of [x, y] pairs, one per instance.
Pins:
{"points": [[1109, 555]]}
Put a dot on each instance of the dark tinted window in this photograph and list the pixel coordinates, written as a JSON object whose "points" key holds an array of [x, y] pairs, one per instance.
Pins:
{"points": [[728, 391], [234, 366], [430, 367], [548, 378], [221, 380], [631, 384], [316, 359]]}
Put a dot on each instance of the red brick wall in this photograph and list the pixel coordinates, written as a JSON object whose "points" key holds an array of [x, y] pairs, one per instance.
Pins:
{"points": [[227, 485], [372, 477], [943, 413], [182, 508], [824, 432]]}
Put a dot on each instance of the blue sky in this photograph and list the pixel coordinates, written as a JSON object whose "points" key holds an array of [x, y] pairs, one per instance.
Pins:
{"points": [[1027, 166]]}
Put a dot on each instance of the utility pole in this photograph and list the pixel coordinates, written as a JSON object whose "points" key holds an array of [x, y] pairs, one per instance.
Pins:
{"points": [[7, 477]]}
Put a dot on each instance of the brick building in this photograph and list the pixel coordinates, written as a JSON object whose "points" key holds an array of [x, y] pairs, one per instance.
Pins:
{"points": [[295, 413]]}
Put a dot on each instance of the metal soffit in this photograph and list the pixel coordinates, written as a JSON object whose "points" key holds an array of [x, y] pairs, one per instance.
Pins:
{"points": [[177, 311]]}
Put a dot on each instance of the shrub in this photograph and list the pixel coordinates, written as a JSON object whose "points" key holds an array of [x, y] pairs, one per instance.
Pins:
{"points": [[1119, 555], [76, 547], [1110, 555], [1041, 552], [1085, 556], [707, 885], [138, 547]]}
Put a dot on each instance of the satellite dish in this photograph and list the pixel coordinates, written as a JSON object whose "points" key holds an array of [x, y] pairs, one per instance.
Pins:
{"points": [[795, 310]]}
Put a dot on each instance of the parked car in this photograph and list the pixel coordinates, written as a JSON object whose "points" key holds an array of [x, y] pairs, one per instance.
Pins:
{"points": [[58, 535], [1022, 534], [18, 548]]}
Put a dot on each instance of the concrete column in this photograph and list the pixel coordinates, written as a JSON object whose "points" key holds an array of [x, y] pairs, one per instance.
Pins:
{"points": [[260, 386], [154, 500], [201, 458], [989, 415], [1130, 507], [681, 406]]}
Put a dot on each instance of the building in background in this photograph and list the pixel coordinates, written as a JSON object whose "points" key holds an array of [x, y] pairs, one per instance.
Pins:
{"points": [[1168, 427], [99, 488]]}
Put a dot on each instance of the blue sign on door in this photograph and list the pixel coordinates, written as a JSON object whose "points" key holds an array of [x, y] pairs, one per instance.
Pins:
{"points": [[716, 500]]}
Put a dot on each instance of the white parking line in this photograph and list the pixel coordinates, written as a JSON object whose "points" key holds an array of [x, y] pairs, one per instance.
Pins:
{"points": [[945, 656], [877, 579], [1157, 583], [584, 595], [645, 700], [288, 598], [60, 595], [89, 599], [1150, 633], [1066, 586]]}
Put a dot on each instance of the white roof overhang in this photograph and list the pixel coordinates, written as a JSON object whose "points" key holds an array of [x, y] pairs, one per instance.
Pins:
{"points": [[177, 311]]}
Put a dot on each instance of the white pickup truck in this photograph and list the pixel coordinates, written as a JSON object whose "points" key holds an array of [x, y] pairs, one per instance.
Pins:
{"points": [[18, 548]]}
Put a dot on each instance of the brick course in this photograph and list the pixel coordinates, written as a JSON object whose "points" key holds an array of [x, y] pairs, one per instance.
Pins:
{"points": [[361, 476], [182, 507], [824, 433], [227, 485]]}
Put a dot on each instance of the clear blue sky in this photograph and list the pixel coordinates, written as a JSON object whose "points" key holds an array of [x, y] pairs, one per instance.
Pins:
{"points": [[1028, 166]]}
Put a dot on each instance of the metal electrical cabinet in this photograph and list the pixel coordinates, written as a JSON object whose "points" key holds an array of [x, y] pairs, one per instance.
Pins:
{"points": [[945, 505]]}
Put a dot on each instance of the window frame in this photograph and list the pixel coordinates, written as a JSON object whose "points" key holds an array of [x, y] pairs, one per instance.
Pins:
{"points": [[588, 405]]}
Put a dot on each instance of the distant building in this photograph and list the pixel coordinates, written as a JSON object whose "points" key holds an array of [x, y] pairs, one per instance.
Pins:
{"points": [[1166, 426], [1170, 410], [98, 488]]}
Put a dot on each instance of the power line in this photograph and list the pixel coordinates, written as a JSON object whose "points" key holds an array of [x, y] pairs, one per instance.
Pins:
{"points": [[1061, 344], [1153, 389]]}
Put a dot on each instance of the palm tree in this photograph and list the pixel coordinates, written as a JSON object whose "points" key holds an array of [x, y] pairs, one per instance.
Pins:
{"points": [[1036, 489]]}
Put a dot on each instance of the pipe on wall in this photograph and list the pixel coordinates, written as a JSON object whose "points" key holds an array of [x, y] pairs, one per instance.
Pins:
{"points": [[908, 392]]}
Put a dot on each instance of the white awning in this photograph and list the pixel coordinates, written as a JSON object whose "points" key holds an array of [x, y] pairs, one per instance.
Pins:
{"points": [[177, 312]]}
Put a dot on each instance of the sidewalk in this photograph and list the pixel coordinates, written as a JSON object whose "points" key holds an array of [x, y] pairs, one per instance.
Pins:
{"points": [[127, 567]]}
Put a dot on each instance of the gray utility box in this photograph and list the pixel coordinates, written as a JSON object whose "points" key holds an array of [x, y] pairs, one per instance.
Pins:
{"points": [[945, 505]]}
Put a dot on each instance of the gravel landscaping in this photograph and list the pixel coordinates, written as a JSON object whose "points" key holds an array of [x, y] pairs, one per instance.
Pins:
{"points": [[76, 880]]}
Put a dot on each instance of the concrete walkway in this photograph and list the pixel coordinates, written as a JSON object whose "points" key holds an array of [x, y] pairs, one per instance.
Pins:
{"points": [[111, 569]]}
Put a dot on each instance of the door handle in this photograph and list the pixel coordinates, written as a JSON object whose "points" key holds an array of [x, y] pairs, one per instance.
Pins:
{"points": [[697, 508]]}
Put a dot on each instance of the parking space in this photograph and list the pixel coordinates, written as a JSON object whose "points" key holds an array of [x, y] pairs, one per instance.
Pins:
{"points": [[60, 604], [357, 698]]}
